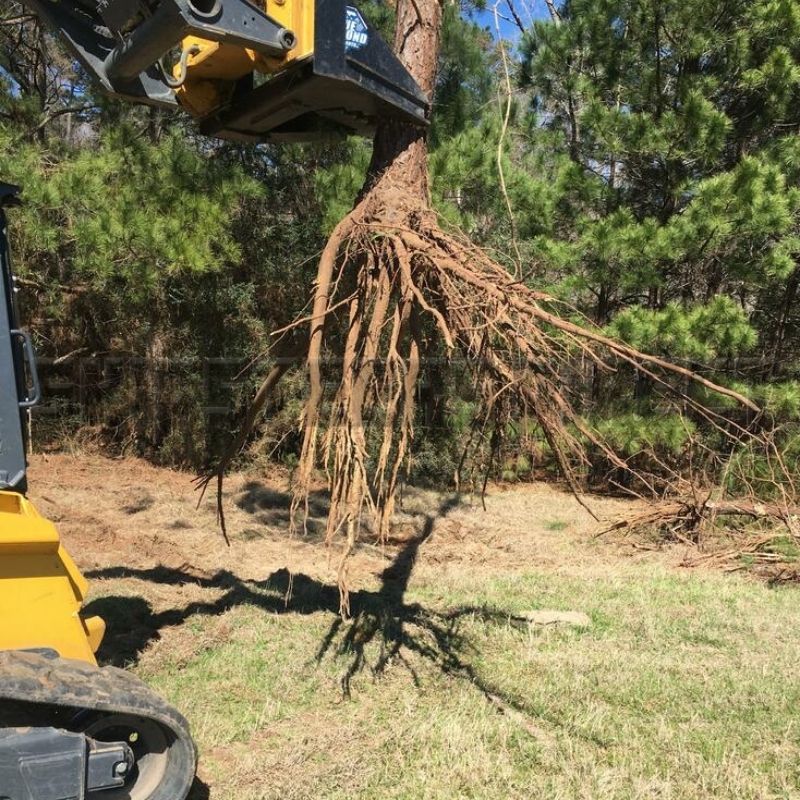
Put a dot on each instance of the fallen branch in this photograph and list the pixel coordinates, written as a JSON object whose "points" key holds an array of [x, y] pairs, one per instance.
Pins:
{"points": [[688, 513]]}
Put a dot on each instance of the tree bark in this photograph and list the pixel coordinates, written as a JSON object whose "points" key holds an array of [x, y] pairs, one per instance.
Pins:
{"points": [[400, 154]]}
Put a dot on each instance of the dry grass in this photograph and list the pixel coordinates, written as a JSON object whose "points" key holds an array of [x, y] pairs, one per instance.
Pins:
{"points": [[684, 686]]}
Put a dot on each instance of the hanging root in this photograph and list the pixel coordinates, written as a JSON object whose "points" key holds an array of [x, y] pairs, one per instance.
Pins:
{"points": [[395, 281], [287, 355]]}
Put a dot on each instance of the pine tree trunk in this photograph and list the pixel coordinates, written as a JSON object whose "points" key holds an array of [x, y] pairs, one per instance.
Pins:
{"points": [[400, 155]]}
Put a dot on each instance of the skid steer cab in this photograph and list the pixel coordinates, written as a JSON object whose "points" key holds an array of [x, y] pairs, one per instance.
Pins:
{"points": [[266, 70]]}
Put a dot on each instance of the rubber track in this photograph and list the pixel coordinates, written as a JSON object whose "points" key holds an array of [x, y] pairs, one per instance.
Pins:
{"points": [[35, 678]]}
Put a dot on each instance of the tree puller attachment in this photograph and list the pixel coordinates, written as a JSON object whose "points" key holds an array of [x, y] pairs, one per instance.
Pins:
{"points": [[68, 729], [266, 70]]}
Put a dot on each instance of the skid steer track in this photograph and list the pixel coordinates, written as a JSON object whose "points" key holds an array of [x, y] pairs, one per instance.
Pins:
{"points": [[106, 704]]}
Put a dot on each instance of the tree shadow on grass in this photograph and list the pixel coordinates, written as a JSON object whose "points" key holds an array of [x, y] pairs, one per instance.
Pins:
{"points": [[383, 619], [272, 508], [132, 624]]}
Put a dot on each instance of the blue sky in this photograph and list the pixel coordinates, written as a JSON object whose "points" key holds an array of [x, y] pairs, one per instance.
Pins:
{"points": [[527, 10]]}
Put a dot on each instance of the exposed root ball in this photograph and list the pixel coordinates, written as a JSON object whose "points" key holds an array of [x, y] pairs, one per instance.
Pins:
{"points": [[389, 274], [391, 285]]}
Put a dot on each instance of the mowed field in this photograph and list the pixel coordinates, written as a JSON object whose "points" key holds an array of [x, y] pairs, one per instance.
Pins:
{"points": [[664, 683]]}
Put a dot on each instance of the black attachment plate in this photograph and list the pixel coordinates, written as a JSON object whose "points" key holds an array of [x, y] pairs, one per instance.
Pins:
{"points": [[352, 82]]}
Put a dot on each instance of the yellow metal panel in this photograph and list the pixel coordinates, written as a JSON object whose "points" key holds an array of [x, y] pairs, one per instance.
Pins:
{"points": [[211, 73], [201, 97], [41, 589], [22, 529], [79, 583], [95, 628], [297, 16], [216, 60]]}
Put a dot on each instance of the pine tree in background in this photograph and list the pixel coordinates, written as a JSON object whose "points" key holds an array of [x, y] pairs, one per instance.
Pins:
{"points": [[675, 134]]}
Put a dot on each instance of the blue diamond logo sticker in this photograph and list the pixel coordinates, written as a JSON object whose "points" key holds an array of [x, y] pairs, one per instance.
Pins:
{"points": [[356, 32]]}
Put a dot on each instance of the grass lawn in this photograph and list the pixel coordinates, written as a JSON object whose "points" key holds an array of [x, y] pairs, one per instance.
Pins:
{"points": [[685, 684]]}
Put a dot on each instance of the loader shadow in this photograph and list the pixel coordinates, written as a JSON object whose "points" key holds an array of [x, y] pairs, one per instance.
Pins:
{"points": [[381, 621], [199, 791]]}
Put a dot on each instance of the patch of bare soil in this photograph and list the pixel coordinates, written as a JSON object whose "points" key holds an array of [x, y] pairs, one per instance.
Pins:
{"points": [[128, 514], [131, 515]]}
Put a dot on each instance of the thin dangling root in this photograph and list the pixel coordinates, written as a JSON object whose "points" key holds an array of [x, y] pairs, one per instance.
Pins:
{"points": [[392, 276]]}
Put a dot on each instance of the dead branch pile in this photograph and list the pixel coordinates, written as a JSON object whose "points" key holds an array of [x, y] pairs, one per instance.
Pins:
{"points": [[730, 533]]}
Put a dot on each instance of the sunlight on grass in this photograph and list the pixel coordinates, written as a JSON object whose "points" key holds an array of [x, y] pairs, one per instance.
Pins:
{"points": [[685, 686]]}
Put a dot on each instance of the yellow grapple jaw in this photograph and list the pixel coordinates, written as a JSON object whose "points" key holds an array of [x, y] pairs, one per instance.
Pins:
{"points": [[249, 70], [41, 589]]}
